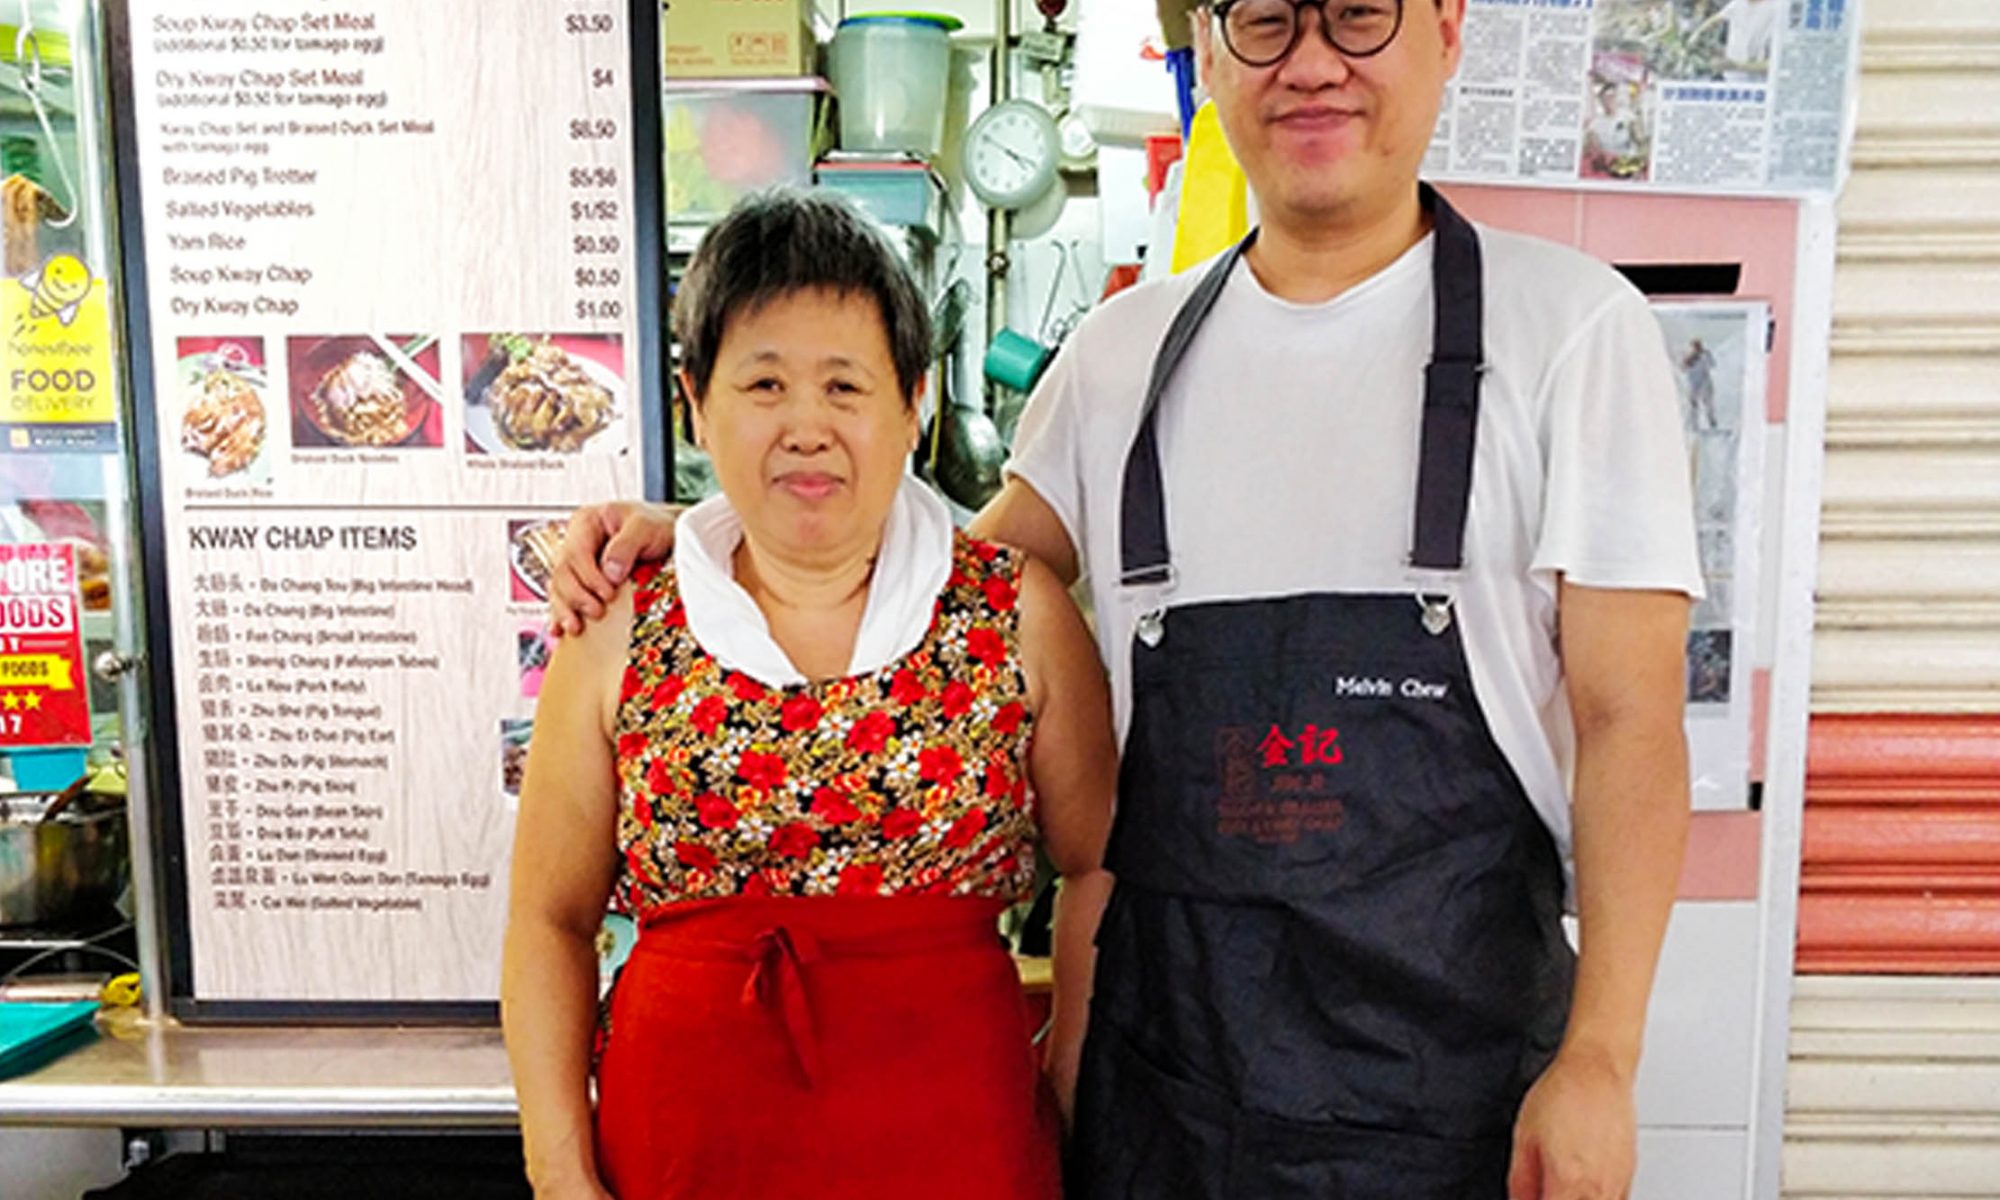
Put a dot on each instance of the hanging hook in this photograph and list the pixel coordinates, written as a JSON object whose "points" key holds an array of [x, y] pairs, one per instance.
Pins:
{"points": [[27, 50], [1055, 290], [1069, 263]]}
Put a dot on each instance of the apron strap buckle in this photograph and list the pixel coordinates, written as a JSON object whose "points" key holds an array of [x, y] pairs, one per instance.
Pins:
{"points": [[1161, 574], [1437, 613]]}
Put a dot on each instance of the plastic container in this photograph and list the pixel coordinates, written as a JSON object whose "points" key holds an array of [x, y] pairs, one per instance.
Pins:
{"points": [[892, 72], [724, 141], [900, 193], [52, 869], [1016, 360]]}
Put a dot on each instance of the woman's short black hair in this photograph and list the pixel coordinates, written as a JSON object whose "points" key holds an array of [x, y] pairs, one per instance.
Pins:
{"points": [[780, 242]]}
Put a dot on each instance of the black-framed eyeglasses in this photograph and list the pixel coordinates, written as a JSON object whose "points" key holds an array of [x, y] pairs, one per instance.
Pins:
{"points": [[1261, 33]]}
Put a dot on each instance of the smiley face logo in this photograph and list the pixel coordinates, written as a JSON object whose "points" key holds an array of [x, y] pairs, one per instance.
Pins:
{"points": [[58, 288]]}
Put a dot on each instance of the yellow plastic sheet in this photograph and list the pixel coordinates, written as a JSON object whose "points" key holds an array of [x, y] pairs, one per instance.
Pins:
{"points": [[1215, 197]]}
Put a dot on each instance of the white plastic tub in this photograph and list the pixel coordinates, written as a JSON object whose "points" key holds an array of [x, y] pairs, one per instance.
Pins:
{"points": [[891, 73]]}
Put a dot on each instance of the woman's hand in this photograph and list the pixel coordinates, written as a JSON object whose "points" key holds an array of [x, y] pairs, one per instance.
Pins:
{"points": [[1061, 1064], [1073, 762], [599, 549]]}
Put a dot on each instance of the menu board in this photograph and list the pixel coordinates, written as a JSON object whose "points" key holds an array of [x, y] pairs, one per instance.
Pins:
{"points": [[397, 327]]}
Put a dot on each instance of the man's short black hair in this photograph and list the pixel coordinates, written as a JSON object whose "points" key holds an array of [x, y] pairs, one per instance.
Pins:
{"points": [[780, 242]]}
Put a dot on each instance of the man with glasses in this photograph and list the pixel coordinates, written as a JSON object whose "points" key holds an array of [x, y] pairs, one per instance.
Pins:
{"points": [[1387, 526]]}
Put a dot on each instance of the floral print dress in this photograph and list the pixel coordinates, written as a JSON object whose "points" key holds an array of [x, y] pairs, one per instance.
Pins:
{"points": [[911, 779], [817, 870]]}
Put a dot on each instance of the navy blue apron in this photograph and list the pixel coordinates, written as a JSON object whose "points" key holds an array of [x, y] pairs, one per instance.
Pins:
{"points": [[1333, 962]]}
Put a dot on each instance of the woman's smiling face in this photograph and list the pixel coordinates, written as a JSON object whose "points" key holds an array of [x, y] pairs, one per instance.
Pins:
{"points": [[806, 422]]}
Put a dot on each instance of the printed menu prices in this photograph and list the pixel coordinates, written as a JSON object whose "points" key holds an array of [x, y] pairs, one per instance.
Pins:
{"points": [[395, 340], [305, 680], [1739, 96]]}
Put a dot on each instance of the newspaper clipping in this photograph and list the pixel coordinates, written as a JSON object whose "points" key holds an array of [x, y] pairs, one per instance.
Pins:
{"points": [[1718, 352], [1733, 96]]}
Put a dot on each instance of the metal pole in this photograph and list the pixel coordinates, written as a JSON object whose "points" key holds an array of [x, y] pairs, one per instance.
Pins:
{"points": [[128, 630], [999, 222]]}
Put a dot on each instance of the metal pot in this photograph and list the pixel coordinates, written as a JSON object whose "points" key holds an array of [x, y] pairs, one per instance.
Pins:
{"points": [[51, 869]]}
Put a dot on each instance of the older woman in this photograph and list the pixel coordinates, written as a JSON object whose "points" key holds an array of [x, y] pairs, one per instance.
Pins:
{"points": [[814, 756]]}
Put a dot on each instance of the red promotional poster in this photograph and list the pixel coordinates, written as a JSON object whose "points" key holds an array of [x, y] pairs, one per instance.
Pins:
{"points": [[44, 700]]}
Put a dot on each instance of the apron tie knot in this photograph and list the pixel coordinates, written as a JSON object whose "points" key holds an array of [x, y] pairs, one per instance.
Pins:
{"points": [[778, 986]]}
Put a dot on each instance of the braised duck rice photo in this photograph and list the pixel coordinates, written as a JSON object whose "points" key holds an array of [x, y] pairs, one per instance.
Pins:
{"points": [[225, 423]]}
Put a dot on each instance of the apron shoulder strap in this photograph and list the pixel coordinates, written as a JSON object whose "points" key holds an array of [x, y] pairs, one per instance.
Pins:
{"points": [[1451, 390], [1143, 553], [1450, 419]]}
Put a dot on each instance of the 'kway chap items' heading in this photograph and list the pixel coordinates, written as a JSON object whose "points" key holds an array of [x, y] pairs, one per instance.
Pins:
{"points": [[302, 537]]}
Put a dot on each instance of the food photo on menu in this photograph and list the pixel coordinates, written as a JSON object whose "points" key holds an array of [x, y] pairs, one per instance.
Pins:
{"points": [[365, 391], [515, 733], [225, 423], [561, 393], [533, 647], [532, 544]]}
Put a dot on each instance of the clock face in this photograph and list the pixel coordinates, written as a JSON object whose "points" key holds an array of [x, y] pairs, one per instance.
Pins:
{"points": [[1010, 154]]}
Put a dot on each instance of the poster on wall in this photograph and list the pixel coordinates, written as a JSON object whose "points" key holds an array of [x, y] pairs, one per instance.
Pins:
{"points": [[1719, 358], [59, 390], [398, 315], [44, 690], [1744, 97]]}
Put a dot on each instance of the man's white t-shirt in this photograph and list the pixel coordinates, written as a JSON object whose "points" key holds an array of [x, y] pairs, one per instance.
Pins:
{"points": [[1289, 439]]}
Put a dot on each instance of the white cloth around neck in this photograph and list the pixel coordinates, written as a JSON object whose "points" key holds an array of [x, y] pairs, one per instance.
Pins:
{"points": [[911, 569]]}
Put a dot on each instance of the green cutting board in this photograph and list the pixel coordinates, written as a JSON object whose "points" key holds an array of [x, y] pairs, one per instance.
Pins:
{"points": [[31, 1034]]}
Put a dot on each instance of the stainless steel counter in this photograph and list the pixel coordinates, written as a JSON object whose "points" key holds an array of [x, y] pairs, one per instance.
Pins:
{"points": [[170, 1075]]}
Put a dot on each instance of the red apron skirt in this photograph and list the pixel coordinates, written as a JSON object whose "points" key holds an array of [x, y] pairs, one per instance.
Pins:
{"points": [[825, 1047]]}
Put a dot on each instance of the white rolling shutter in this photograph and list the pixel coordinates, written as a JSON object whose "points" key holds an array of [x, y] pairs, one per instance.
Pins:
{"points": [[1895, 1089], [1909, 613], [1895, 1082]]}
